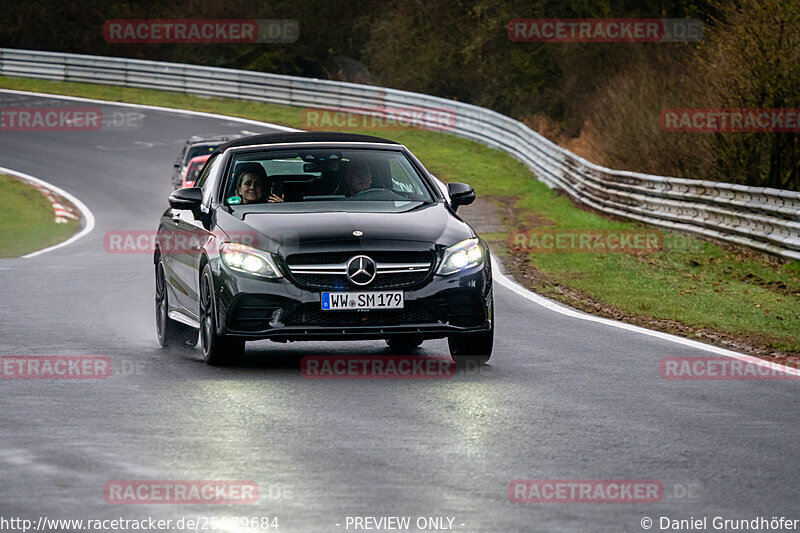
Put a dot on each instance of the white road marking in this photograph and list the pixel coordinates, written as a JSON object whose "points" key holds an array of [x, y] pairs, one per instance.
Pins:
{"points": [[508, 283], [151, 107], [498, 275], [85, 212]]}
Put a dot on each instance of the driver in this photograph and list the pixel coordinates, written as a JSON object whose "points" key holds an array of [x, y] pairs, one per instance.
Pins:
{"points": [[358, 177]]}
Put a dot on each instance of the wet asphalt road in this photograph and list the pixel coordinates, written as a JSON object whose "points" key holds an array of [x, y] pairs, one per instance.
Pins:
{"points": [[561, 399]]}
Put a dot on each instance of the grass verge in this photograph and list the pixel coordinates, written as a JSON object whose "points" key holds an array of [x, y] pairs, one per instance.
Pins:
{"points": [[27, 221], [720, 294]]}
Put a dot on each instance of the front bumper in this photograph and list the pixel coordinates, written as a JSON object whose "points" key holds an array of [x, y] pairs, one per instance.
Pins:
{"points": [[252, 308]]}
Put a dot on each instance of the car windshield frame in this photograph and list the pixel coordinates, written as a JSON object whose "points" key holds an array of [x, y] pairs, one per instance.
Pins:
{"points": [[422, 190]]}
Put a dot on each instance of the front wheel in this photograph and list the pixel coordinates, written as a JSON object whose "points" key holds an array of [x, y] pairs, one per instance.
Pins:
{"points": [[217, 350], [473, 349], [170, 332]]}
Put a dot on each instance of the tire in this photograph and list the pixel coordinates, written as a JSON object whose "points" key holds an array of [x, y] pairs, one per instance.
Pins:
{"points": [[217, 350], [471, 349], [170, 332], [404, 343]]}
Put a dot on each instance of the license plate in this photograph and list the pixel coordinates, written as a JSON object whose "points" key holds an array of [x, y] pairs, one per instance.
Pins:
{"points": [[351, 301]]}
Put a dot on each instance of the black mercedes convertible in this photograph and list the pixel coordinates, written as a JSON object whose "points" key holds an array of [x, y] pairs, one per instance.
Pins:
{"points": [[321, 236]]}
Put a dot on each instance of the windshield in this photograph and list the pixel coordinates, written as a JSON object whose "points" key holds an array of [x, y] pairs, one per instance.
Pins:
{"points": [[323, 175], [194, 168], [201, 149]]}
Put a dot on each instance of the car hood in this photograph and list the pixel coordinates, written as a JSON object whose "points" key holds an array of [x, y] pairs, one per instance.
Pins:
{"points": [[286, 232]]}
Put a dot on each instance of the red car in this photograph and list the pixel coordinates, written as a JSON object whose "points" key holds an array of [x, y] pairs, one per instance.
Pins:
{"points": [[193, 170]]}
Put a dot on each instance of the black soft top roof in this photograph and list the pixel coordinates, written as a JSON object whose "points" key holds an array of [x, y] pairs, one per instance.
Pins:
{"points": [[302, 136]]}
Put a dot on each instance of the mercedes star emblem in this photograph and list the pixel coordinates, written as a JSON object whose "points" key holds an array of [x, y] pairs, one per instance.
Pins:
{"points": [[361, 270]]}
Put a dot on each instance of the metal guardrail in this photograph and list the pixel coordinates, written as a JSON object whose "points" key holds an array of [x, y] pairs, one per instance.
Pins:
{"points": [[763, 218]]}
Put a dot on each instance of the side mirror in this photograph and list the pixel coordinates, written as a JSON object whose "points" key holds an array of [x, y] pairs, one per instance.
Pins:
{"points": [[460, 194], [188, 198]]}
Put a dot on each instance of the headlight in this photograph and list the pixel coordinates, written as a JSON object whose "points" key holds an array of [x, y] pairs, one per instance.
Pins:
{"points": [[250, 260], [465, 254]]}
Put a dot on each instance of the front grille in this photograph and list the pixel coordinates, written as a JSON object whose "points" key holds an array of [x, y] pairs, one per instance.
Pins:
{"points": [[312, 315], [323, 281], [337, 280], [325, 258], [340, 282]]}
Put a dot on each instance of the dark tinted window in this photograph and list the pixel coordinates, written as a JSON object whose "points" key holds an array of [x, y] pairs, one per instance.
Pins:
{"points": [[203, 149], [320, 175]]}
